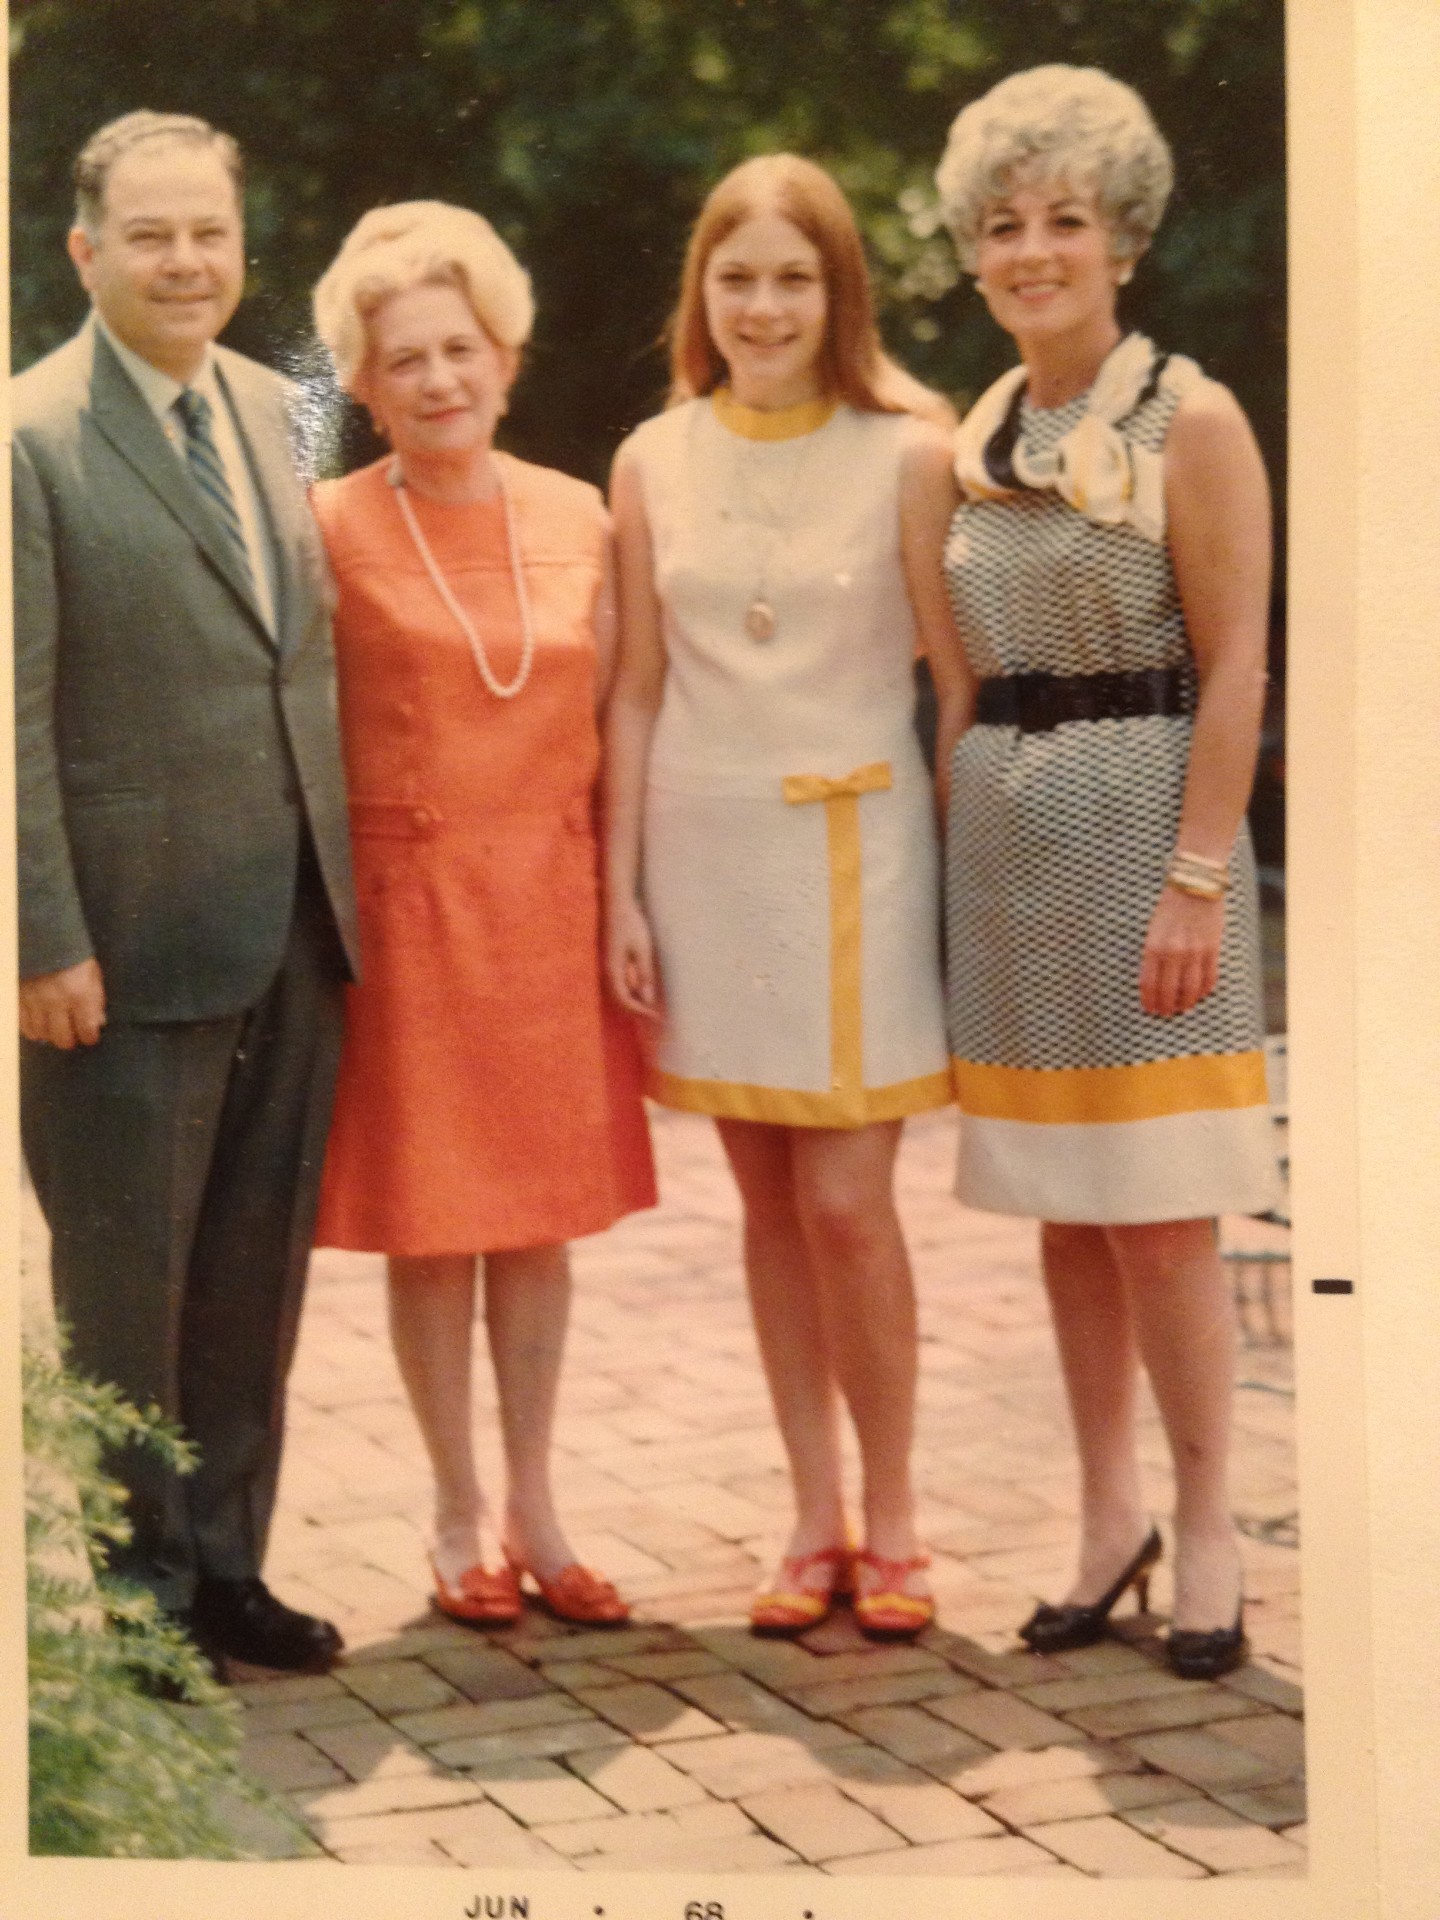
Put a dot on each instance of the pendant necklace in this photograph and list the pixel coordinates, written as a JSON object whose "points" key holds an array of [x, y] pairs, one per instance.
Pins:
{"points": [[499, 688], [760, 620]]}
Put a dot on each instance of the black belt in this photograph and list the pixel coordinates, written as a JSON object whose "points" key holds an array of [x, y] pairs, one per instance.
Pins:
{"points": [[1036, 702]]}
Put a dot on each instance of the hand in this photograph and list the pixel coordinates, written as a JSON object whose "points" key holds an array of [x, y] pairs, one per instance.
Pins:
{"points": [[1181, 961], [65, 1008], [955, 718], [630, 961]]}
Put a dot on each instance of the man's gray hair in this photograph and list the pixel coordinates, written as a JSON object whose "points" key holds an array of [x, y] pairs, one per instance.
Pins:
{"points": [[1077, 124], [131, 130]]}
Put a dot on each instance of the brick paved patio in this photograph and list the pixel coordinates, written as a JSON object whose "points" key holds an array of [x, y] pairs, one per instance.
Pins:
{"points": [[683, 1741]]}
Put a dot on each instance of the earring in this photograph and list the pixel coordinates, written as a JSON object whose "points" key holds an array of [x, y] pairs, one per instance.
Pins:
{"points": [[1125, 274]]}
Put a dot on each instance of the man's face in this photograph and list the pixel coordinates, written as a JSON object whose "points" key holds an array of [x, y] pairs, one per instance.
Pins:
{"points": [[167, 265]]}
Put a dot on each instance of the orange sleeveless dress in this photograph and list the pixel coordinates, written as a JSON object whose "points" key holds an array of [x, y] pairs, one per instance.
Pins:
{"points": [[489, 1092]]}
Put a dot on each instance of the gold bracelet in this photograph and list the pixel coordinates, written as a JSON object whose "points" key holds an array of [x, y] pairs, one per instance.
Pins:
{"points": [[1198, 890], [1192, 873], [1220, 868]]}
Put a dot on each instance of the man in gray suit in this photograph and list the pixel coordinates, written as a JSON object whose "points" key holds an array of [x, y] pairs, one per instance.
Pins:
{"points": [[186, 907]]}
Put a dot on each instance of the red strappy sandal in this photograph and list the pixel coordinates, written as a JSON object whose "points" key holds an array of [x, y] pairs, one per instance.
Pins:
{"points": [[888, 1612], [790, 1606]]}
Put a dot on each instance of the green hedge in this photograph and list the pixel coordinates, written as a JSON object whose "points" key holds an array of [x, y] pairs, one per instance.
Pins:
{"points": [[114, 1769]]}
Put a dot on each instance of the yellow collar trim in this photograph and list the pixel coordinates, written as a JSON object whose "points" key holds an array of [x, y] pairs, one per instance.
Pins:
{"points": [[779, 423]]}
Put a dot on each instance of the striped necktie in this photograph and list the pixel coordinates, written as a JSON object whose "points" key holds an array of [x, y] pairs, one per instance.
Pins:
{"points": [[209, 471]]}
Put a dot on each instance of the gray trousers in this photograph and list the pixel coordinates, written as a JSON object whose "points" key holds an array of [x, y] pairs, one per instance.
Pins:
{"points": [[178, 1167]]}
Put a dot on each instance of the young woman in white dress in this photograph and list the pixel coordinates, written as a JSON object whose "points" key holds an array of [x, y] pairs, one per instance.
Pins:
{"points": [[772, 860]]}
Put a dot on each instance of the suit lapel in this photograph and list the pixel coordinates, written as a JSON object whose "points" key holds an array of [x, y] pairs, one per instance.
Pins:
{"points": [[120, 412]]}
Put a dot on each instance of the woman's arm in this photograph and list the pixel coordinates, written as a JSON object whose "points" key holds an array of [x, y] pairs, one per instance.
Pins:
{"points": [[1218, 511], [606, 621], [629, 721], [928, 497]]}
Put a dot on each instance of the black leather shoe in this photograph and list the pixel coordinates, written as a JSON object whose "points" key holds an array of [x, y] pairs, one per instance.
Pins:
{"points": [[243, 1618], [1057, 1629], [1204, 1654]]}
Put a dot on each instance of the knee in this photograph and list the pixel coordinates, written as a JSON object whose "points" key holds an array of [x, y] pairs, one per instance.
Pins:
{"points": [[1163, 1247], [412, 1276], [1063, 1242], [529, 1269], [843, 1226], [770, 1215]]}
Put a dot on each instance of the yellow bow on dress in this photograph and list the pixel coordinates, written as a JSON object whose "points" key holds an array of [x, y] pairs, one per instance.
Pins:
{"points": [[805, 789]]}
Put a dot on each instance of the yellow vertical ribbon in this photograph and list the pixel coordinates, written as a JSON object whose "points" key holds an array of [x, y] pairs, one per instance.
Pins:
{"points": [[841, 800]]}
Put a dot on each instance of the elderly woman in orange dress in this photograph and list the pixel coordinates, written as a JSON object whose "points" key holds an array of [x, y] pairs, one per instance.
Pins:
{"points": [[488, 1108]]}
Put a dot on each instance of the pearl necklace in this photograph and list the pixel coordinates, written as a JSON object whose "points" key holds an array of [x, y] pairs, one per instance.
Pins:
{"points": [[395, 475]]}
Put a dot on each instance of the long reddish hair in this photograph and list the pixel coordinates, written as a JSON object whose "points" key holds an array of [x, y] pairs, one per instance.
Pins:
{"points": [[853, 364]]}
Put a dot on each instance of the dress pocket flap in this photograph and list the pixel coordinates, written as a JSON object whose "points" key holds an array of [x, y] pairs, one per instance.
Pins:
{"points": [[391, 820]]}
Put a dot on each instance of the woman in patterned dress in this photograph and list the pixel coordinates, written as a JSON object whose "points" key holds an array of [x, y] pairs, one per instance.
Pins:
{"points": [[772, 843], [488, 1108], [1109, 570]]}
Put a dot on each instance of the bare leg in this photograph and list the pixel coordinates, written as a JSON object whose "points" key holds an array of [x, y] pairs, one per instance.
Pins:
{"points": [[432, 1310], [1090, 1308], [844, 1188], [527, 1310], [1183, 1311], [789, 1329]]}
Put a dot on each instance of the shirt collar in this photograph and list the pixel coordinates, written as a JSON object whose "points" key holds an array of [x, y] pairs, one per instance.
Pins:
{"points": [[160, 390]]}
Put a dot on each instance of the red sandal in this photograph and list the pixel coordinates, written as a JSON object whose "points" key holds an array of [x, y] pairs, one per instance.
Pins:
{"points": [[790, 1606], [576, 1594], [479, 1598], [888, 1612]]}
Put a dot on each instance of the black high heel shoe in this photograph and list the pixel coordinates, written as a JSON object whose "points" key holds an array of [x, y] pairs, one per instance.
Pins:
{"points": [[1197, 1653], [1057, 1629]]}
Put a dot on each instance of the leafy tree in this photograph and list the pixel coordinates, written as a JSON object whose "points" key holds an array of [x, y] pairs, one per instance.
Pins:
{"points": [[589, 130]]}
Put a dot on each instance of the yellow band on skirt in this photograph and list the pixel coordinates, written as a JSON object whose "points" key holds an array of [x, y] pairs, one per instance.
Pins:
{"points": [[1063, 1096], [841, 800]]}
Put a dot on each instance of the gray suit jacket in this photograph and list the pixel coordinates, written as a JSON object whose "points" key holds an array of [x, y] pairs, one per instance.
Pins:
{"points": [[167, 746]]}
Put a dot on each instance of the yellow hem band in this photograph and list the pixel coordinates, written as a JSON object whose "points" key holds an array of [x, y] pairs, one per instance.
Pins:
{"points": [[1070, 1096], [790, 1107]]}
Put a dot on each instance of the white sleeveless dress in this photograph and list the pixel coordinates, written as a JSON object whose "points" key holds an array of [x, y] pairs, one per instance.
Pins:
{"points": [[790, 868]]}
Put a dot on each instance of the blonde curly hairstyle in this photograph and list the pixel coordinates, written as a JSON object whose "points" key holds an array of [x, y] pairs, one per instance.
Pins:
{"points": [[418, 243], [1072, 123]]}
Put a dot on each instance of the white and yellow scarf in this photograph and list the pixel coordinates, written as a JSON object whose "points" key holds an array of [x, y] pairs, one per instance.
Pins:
{"points": [[1093, 467]]}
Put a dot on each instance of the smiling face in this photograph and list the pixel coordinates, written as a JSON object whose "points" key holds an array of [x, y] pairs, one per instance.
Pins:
{"points": [[435, 382], [1045, 263], [765, 305], [167, 264]]}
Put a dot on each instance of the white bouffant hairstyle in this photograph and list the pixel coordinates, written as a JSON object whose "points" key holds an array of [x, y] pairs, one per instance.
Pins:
{"points": [[418, 243], [1072, 123]]}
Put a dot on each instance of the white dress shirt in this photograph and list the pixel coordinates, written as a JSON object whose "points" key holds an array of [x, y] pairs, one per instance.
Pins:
{"points": [[160, 391]]}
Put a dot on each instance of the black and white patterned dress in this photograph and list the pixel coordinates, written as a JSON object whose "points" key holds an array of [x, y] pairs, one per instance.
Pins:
{"points": [[1076, 1104]]}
